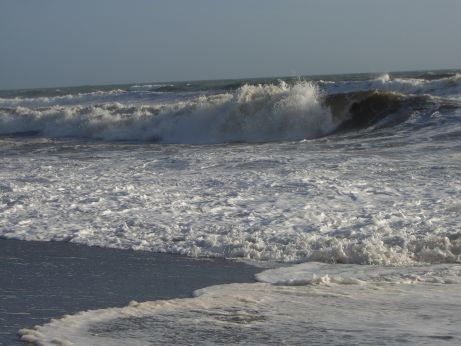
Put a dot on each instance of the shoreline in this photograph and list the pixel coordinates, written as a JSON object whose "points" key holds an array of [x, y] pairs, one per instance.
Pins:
{"points": [[44, 280]]}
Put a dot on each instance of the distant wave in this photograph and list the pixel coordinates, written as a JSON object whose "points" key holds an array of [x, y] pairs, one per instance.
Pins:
{"points": [[417, 86], [44, 101], [151, 87], [443, 86], [253, 113]]}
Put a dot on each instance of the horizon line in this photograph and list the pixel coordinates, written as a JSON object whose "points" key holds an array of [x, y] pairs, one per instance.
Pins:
{"points": [[232, 79]]}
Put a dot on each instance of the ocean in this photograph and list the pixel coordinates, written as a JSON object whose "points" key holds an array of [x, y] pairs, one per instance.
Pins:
{"points": [[344, 190]]}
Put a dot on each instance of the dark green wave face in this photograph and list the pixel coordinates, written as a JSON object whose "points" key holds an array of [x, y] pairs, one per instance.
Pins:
{"points": [[360, 110]]}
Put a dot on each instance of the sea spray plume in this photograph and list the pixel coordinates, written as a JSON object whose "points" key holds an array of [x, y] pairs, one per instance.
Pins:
{"points": [[271, 112], [253, 113]]}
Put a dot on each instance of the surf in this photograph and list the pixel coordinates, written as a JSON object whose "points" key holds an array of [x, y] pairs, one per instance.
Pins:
{"points": [[251, 114]]}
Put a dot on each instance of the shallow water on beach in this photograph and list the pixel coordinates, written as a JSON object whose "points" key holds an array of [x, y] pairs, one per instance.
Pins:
{"points": [[44, 280]]}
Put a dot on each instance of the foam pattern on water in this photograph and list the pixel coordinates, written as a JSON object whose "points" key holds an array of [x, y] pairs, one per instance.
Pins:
{"points": [[322, 201], [312, 273], [256, 314]]}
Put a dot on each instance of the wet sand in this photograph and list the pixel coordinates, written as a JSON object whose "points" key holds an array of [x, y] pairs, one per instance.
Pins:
{"points": [[44, 280]]}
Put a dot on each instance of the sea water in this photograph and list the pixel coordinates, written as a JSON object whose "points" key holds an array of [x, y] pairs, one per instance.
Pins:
{"points": [[349, 186]]}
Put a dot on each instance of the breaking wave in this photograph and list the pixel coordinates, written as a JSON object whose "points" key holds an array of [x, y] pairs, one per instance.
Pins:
{"points": [[253, 113]]}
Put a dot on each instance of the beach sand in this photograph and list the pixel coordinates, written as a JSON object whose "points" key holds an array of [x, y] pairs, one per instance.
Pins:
{"points": [[44, 280]]}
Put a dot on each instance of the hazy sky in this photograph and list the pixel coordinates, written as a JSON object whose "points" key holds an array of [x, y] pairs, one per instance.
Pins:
{"points": [[63, 43]]}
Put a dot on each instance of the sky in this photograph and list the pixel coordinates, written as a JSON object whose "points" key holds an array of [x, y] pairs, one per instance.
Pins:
{"points": [[55, 43]]}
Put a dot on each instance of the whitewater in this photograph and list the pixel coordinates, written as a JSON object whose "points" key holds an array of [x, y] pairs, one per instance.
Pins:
{"points": [[345, 190]]}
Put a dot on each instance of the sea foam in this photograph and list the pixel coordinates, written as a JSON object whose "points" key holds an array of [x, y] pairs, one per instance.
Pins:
{"points": [[271, 314]]}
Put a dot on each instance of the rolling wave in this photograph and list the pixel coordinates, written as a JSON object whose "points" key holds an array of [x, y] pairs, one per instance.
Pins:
{"points": [[375, 109], [253, 113]]}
